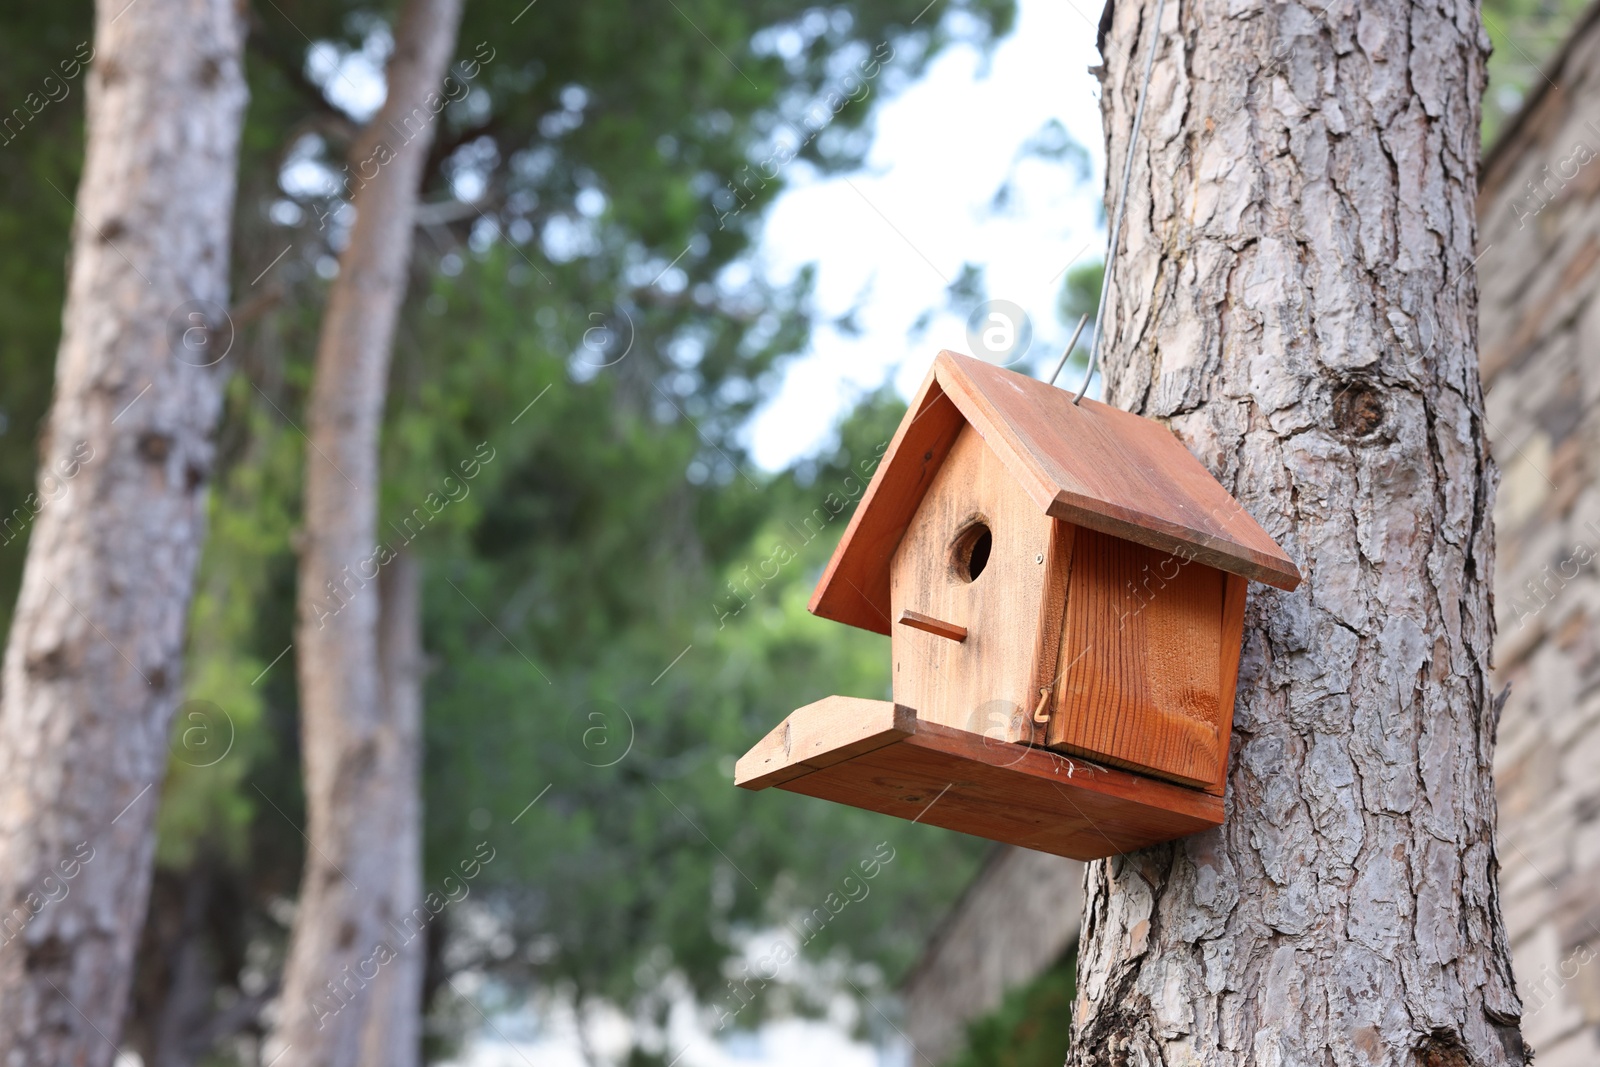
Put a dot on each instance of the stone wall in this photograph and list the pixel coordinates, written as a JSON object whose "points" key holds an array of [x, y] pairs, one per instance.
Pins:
{"points": [[1539, 337]]}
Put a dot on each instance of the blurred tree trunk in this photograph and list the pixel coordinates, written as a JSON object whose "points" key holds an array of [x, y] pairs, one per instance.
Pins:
{"points": [[93, 664], [1297, 299], [355, 774], [394, 1030], [191, 979], [175, 1016]]}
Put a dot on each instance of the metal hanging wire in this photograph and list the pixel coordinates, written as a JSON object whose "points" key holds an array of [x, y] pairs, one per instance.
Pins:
{"points": [[1122, 202], [1062, 362]]}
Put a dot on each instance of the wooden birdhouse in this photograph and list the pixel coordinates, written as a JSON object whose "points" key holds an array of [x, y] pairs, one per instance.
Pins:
{"points": [[1063, 585]]}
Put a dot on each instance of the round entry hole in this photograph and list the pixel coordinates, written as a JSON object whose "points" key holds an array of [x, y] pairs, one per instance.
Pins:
{"points": [[972, 549]]}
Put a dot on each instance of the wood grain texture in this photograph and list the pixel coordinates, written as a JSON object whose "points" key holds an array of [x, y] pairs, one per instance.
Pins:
{"points": [[930, 625], [854, 588], [1141, 661], [981, 684], [942, 776]]}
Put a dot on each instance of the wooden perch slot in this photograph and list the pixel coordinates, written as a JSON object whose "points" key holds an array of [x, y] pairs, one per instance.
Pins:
{"points": [[930, 625]]}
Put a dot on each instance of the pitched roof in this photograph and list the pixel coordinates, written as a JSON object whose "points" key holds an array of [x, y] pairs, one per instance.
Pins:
{"points": [[1089, 464]]}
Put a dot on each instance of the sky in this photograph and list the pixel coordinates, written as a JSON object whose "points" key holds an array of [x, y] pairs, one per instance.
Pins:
{"points": [[892, 238], [887, 242]]}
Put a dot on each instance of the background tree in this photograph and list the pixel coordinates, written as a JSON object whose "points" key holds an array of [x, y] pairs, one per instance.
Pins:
{"points": [[358, 737], [94, 658], [1297, 301]]}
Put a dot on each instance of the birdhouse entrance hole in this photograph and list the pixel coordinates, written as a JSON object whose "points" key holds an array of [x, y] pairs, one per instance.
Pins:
{"points": [[972, 549]]}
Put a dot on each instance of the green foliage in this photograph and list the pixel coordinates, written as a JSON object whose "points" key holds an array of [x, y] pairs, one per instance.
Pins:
{"points": [[968, 289], [39, 163], [640, 860], [1526, 35], [1080, 294], [238, 660], [1032, 1026]]}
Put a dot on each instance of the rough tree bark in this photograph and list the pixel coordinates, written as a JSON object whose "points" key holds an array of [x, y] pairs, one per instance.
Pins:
{"points": [[1297, 299], [355, 770], [93, 663]]}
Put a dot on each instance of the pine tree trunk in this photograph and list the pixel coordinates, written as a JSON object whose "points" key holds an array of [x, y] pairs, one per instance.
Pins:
{"points": [[93, 664], [1297, 299], [394, 1031], [343, 937]]}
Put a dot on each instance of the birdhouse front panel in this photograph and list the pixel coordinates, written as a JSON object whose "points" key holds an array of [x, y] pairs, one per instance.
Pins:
{"points": [[1064, 588], [965, 593]]}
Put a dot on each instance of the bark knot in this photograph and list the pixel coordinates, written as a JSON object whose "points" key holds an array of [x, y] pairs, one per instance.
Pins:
{"points": [[1443, 1048], [48, 664], [1358, 409], [155, 446]]}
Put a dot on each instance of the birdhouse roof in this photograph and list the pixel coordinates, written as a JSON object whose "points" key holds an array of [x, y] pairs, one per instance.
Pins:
{"points": [[1089, 464]]}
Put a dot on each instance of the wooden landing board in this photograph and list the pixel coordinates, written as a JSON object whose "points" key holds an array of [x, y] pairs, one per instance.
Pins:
{"points": [[878, 755]]}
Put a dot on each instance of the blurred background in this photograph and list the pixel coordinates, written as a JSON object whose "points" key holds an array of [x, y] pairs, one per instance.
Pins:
{"points": [[676, 270]]}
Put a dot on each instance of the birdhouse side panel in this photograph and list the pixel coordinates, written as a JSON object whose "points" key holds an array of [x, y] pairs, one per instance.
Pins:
{"points": [[1142, 662], [972, 559]]}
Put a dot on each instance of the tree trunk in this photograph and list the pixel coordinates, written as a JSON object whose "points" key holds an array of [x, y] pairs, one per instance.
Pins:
{"points": [[191, 979], [1297, 299], [93, 664], [394, 1030], [342, 937]]}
